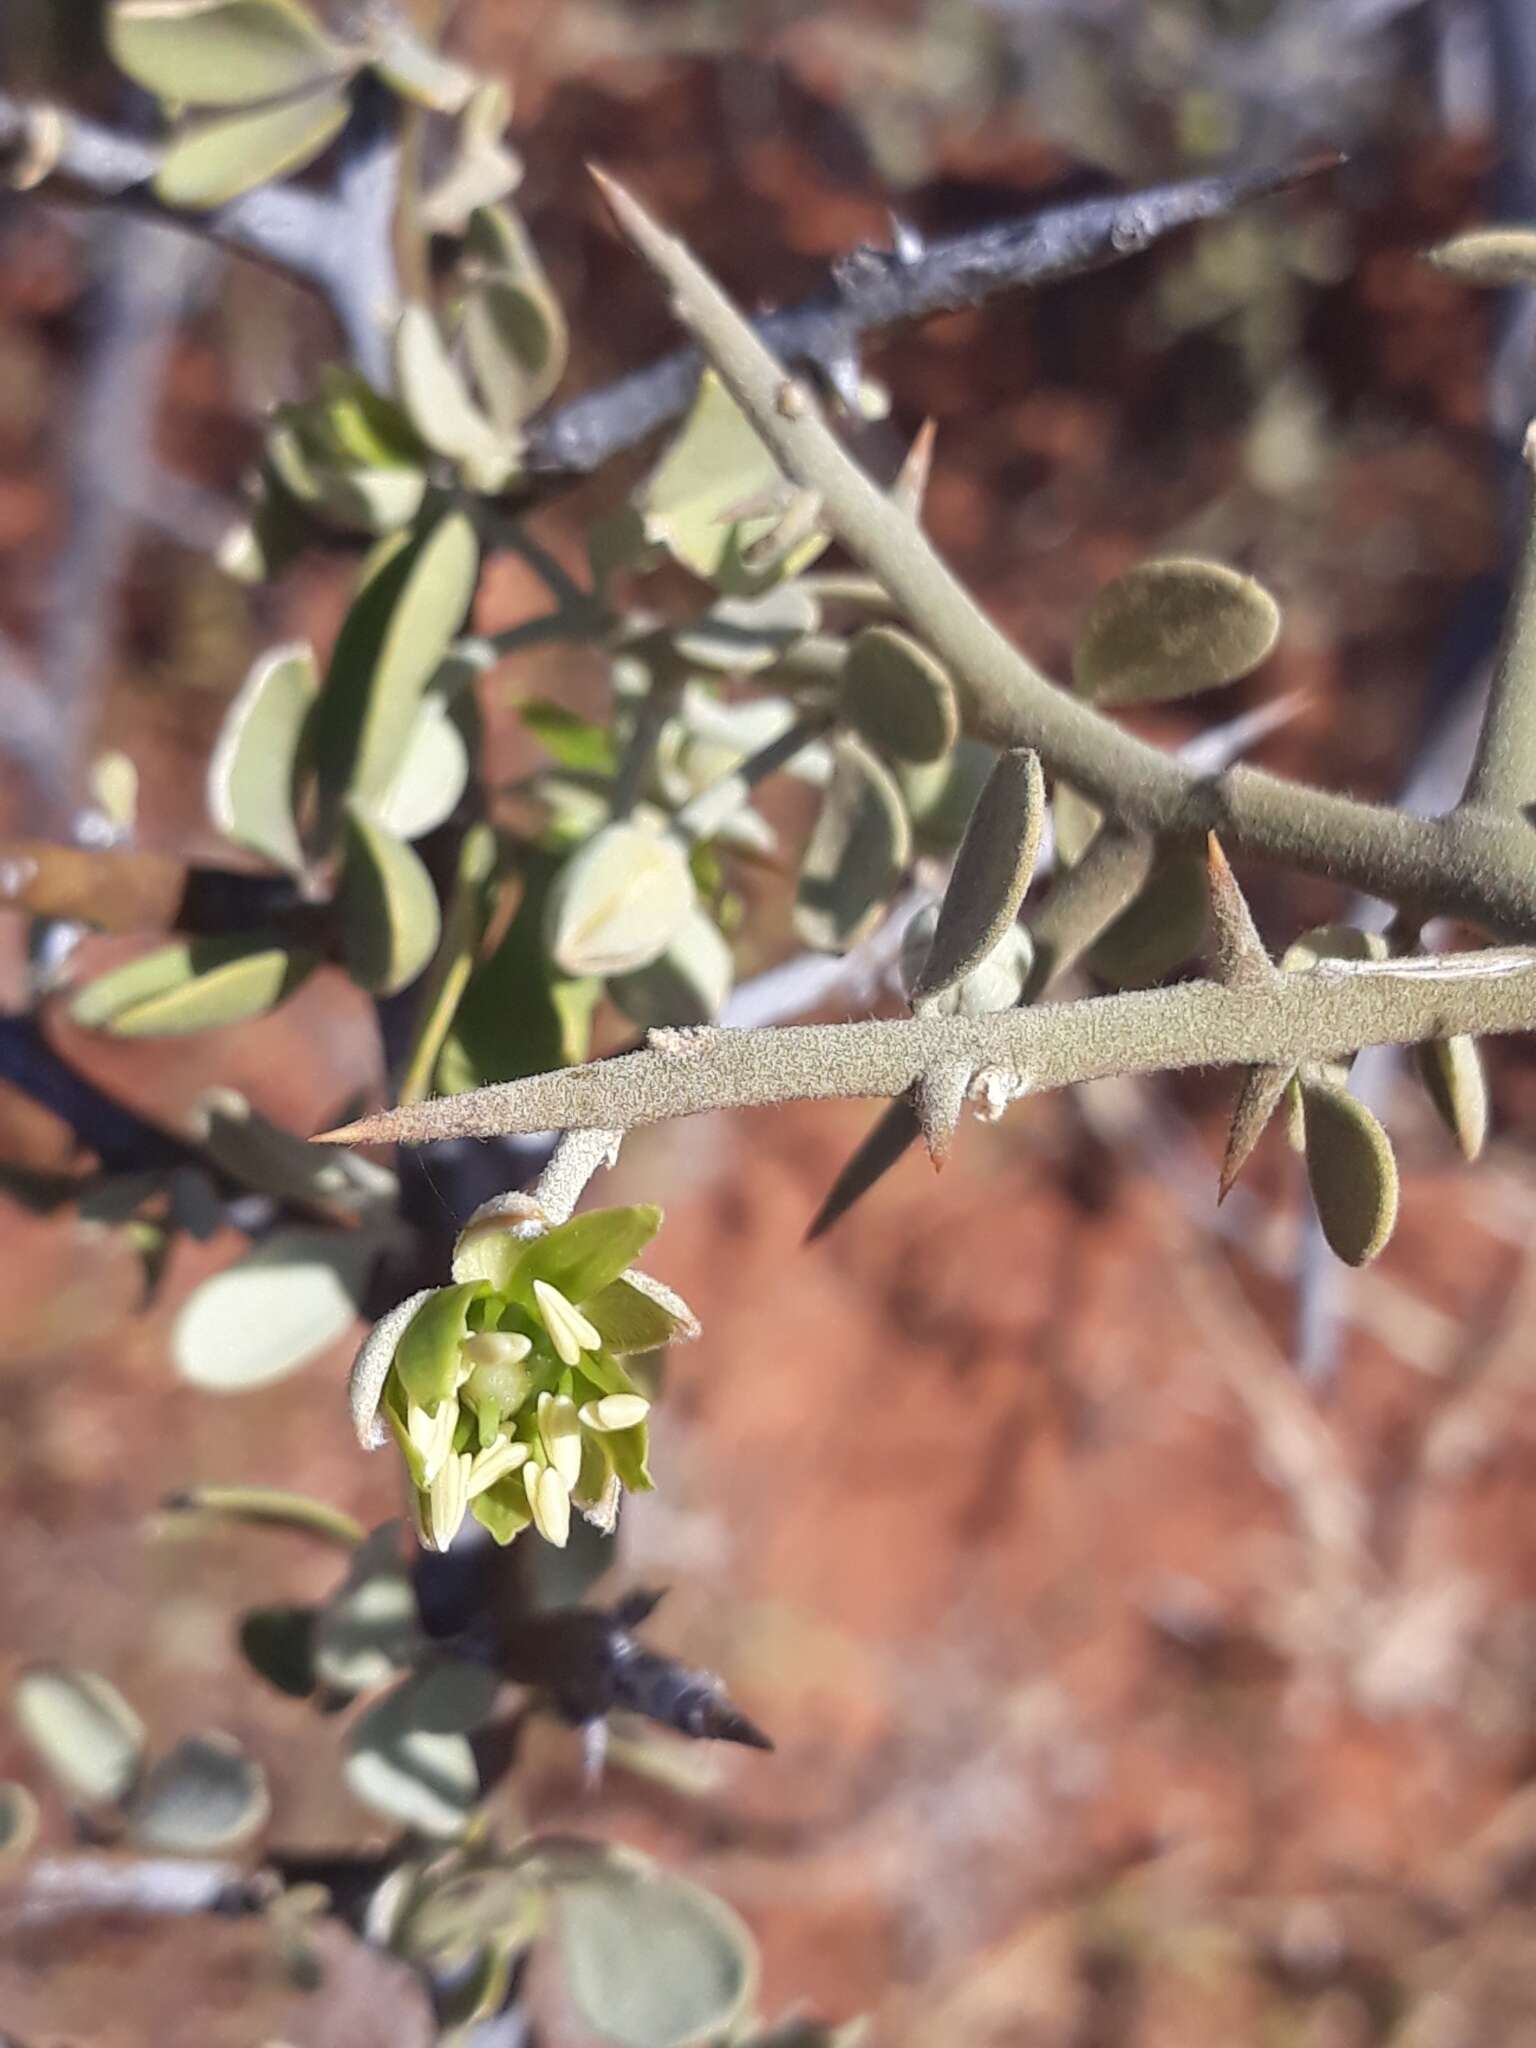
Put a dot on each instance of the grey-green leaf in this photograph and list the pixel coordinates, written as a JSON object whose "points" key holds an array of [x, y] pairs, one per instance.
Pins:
{"points": [[253, 766], [292, 1295], [1351, 1170], [1492, 256], [209, 162], [412, 600], [991, 873], [1171, 629], [19, 1818], [433, 772], [514, 331], [618, 902], [192, 985], [687, 984], [739, 635], [898, 697], [390, 920], [1452, 1072], [652, 1961], [204, 1797], [1162, 929], [860, 845], [370, 1629], [82, 1728], [261, 1155], [440, 408], [221, 53], [418, 72], [278, 1644], [408, 1757]]}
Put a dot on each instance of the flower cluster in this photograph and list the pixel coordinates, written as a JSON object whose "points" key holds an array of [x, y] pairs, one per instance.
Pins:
{"points": [[506, 1390]]}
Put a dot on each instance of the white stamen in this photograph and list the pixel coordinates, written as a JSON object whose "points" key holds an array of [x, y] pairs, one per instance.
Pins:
{"points": [[614, 1411], [495, 1462], [569, 1330]]}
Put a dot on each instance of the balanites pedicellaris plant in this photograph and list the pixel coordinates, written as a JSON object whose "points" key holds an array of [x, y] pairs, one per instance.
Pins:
{"points": [[515, 1378]]}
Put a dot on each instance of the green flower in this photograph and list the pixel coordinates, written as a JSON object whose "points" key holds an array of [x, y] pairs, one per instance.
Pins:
{"points": [[506, 1390]]}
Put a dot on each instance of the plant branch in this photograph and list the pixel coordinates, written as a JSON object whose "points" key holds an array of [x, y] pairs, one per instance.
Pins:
{"points": [[337, 241], [1470, 864], [871, 290], [1326, 1013]]}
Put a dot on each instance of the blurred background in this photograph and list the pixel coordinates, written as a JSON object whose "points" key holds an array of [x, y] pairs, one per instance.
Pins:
{"points": [[1144, 1608]]}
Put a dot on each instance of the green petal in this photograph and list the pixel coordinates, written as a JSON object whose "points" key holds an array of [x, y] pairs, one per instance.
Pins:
{"points": [[427, 1362], [590, 1252], [628, 1320], [630, 1451], [503, 1509]]}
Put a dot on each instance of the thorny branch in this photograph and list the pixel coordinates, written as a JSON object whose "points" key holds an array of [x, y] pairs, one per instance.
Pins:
{"points": [[1474, 863], [1325, 1013]]}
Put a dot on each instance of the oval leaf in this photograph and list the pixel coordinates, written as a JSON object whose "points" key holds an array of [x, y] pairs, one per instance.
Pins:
{"points": [[390, 920], [433, 773], [278, 1644], [688, 984], [419, 73], [194, 985], [408, 1757], [371, 1630], [1171, 629], [292, 1294], [439, 407], [652, 1961], [208, 163], [1163, 928], [1495, 256], [898, 697], [412, 600], [1452, 1072], [856, 854], [1352, 1172], [251, 773], [742, 634], [204, 1797], [82, 1728], [221, 53], [618, 902], [991, 873], [19, 1818]]}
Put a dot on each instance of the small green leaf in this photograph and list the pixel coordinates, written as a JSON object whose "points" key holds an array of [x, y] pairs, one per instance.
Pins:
{"points": [[19, 1817], [991, 873], [575, 742], [278, 1644], [591, 1251], [898, 697], [221, 53], [428, 1359], [82, 1728], [1452, 1072], [390, 921], [408, 1757], [412, 68], [370, 1630], [438, 404], [1171, 629], [1162, 929], [652, 1961], [688, 984], [433, 773], [255, 762], [412, 599], [861, 843], [691, 503], [618, 902], [518, 1016], [480, 169], [514, 331], [193, 985], [740, 635], [209, 162], [263, 1156], [293, 1294], [269, 1507], [1352, 1172], [206, 1796], [1493, 256], [940, 796]]}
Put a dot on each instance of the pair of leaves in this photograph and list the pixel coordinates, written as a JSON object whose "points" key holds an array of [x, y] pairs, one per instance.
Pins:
{"points": [[203, 1796]]}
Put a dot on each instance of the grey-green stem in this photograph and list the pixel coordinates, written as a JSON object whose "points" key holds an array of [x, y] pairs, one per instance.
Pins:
{"points": [[1317, 1015]]}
